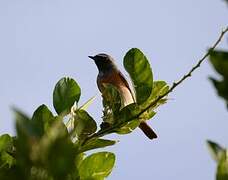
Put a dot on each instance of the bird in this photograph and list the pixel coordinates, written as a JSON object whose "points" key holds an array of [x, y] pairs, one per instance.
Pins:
{"points": [[108, 73]]}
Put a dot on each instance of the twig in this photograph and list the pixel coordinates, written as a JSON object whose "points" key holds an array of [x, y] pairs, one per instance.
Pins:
{"points": [[174, 85]]}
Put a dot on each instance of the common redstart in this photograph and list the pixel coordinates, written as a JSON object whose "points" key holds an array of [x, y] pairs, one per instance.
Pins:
{"points": [[110, 74]]}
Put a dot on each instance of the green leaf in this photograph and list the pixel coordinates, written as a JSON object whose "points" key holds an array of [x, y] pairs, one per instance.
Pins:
{"points": [[24, 125], [219, 60], [6, 143], [128, 115], [9, 173], [66, 92], [7, 149], [129, 127], [138, 67], [27, 135], [215, 149], [75, 173], [55, 151], [222, 88], [79, 158], [7, 159], [97, 166], [159, 88], [147, 115], [61, 158], [111, 104], [96, 143], [42, 118], [84, 124], [222, 169]]}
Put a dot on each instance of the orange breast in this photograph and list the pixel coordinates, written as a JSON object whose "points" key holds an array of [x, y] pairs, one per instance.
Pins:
{"points": [[114, 79], [109, 78]]}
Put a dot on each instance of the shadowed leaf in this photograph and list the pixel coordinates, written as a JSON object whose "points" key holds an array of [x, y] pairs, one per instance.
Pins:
{"points": [[219, 60], [84, 123], [65, 94], [42, 118], [138, 67], [215, 150]]}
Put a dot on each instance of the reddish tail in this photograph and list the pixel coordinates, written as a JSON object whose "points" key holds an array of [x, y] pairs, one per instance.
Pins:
{"points": [[147, 130]]}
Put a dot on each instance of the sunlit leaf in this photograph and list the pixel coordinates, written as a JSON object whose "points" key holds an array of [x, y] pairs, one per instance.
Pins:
{"points": [[6, 143], [138, 67], [79, 158], [65, 94], [96, 143], [6, 151], [222, 169], [159, 88], [147, 115], [97, 166], [129, 127], [7, 160]]}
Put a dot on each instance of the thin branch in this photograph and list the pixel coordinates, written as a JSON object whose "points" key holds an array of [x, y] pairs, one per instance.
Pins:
{"points": [[174, 85]]}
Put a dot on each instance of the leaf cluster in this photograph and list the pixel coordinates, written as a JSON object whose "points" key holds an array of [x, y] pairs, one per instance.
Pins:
{"points": [[52, 146], [219, 61]]}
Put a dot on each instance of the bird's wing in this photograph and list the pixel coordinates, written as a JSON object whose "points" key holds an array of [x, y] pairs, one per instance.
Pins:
{"points": [[126, 84]]}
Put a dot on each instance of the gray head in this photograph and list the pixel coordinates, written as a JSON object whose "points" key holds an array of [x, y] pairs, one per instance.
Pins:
{"points": [[104, 62]]}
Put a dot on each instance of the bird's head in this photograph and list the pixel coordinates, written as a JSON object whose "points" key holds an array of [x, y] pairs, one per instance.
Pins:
{"points": [[104, 62]]}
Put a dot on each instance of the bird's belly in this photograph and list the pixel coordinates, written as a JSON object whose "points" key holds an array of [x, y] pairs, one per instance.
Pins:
{"points": [[126, 95]]}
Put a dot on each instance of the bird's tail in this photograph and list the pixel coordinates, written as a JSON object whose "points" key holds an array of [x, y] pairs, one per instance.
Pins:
{"points": [[147, 130]]}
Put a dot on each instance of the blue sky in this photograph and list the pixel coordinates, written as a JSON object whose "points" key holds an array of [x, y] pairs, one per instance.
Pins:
{"points": [[42, 41]]}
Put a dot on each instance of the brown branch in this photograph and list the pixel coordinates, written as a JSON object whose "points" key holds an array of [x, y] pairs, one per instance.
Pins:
{"points": [[174, 85]]}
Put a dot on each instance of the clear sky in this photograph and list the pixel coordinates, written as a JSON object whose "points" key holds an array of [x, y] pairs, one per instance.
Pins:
{"points": [[42, 41]]}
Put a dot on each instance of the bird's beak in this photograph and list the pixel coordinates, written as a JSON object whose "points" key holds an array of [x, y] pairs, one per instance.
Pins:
{"points": [[92, 57]]}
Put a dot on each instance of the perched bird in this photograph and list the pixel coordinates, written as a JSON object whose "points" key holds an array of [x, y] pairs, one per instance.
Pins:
{"points": [[110, 74]]}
